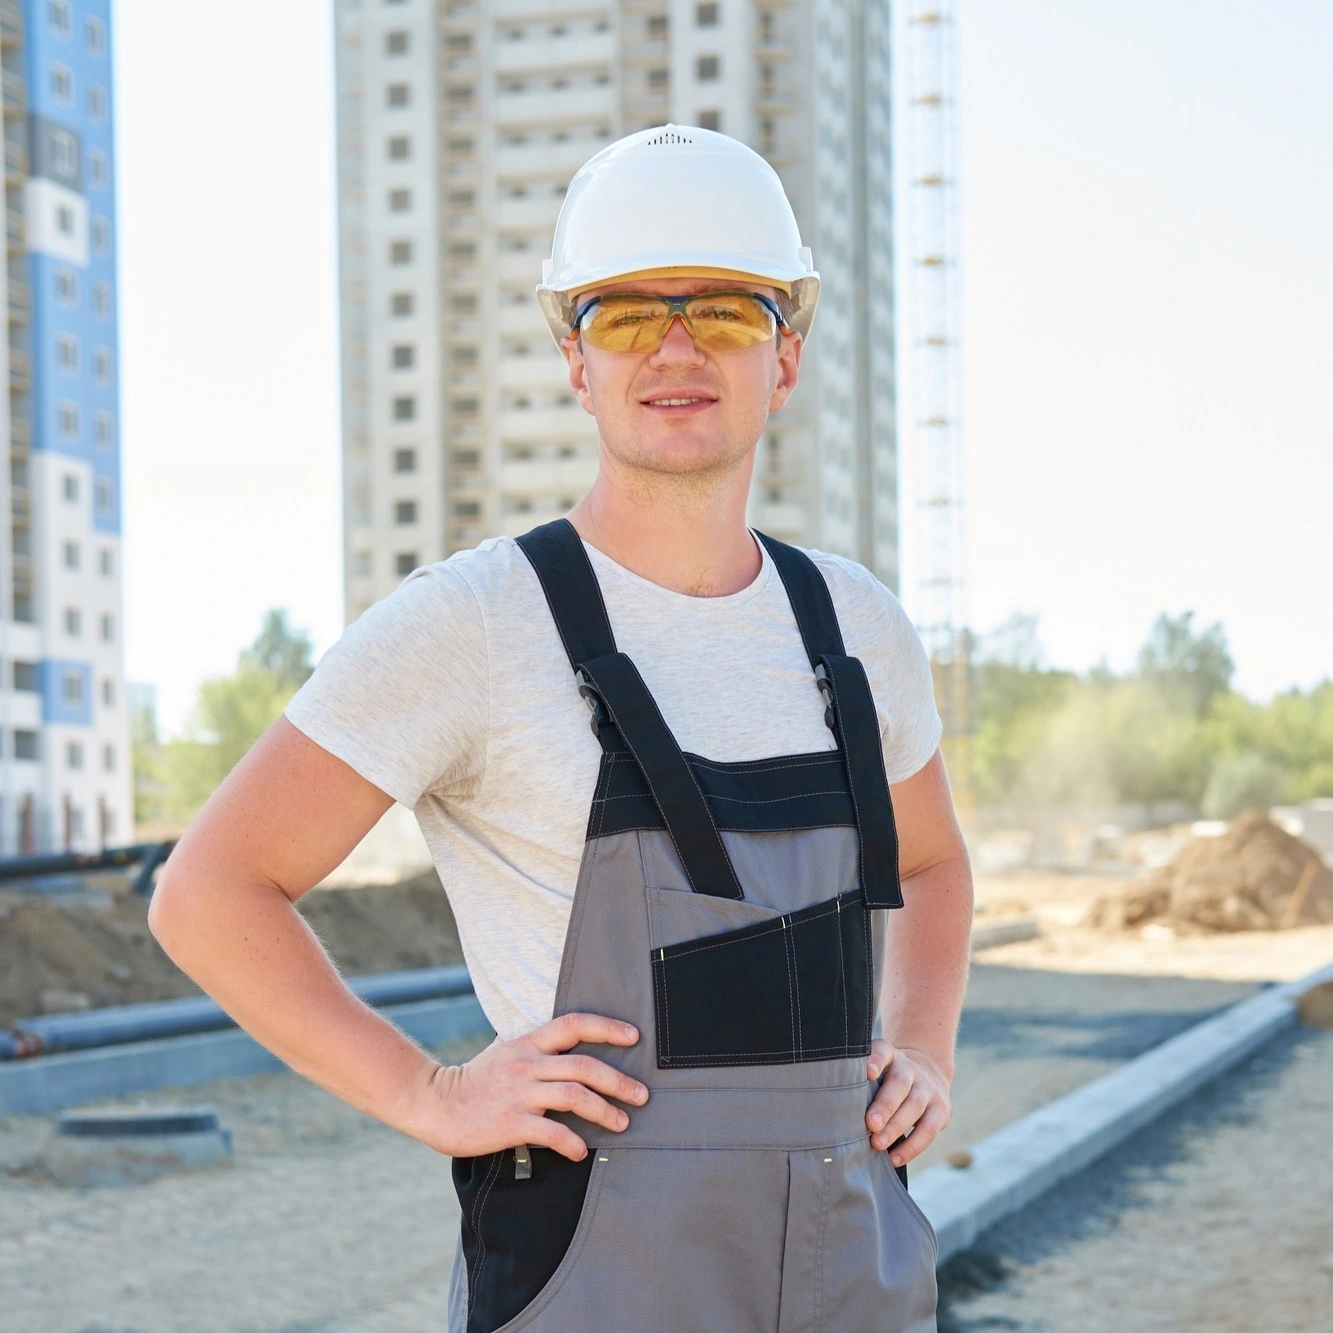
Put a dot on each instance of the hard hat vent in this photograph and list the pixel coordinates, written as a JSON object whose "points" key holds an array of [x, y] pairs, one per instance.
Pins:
{"points": [[669, 136]]}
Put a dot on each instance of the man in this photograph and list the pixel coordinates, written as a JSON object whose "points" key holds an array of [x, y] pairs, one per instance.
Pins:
{"points": [[682, 920]]}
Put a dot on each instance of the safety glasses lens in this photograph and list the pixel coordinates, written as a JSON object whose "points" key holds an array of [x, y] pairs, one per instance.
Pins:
{"points": [[720, 322]]}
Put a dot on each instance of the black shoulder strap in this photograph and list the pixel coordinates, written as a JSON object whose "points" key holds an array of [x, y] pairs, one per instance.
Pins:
{"points": [[852, 716], [556, 553], [810, 599]]}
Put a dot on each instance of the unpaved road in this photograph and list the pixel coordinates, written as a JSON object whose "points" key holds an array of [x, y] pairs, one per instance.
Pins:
{"points": [[1218, 1218], [328, 1220]]}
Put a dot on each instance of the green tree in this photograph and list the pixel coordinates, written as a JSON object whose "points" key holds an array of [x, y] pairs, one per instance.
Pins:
{"points": [[1189, 668], [230, 714]]}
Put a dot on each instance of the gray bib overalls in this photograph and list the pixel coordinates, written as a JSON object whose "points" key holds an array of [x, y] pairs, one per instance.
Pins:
{"points": [[733, 913]]}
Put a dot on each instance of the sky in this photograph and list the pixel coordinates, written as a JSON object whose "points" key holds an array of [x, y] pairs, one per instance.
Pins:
{"points": [[1147, 193]]}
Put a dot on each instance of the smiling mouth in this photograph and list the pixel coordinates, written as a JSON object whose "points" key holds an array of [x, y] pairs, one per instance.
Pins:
{"points": [[682, 404]]}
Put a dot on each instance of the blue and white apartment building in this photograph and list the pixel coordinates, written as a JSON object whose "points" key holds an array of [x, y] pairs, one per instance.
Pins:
{"points": [[65, 773]]}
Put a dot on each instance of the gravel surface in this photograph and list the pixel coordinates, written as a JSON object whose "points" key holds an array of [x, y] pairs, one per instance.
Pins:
{"points": [[328, 1220], [1218, 1218]]}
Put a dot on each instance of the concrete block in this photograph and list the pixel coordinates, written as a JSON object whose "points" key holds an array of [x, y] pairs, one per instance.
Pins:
{"points": [[117, 1147]]}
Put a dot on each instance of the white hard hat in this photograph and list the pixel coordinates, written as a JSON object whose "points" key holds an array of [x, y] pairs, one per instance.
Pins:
{"points": [[676, 201]]}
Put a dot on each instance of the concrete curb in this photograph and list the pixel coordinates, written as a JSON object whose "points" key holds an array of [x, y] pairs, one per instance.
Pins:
{"points": [[50, 1082], [990, 933], [1015, 1165]]}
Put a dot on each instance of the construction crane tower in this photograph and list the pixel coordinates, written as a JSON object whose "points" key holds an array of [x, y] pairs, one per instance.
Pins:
{"points": [[932, 434]]}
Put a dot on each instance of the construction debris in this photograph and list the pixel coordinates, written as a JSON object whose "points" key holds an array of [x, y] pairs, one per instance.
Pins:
{"points": [[56, 957], [1254, 876]]}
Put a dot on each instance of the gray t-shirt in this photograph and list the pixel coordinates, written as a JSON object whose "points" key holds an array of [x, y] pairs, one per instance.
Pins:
{"points": [[453, 694]]}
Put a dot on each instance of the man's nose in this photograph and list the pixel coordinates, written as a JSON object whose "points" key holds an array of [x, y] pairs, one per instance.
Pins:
{"points": [[678, 342]]}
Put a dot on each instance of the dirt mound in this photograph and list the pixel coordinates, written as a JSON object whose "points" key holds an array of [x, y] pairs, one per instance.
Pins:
{"points": [[56, 957], [1255, 876]]}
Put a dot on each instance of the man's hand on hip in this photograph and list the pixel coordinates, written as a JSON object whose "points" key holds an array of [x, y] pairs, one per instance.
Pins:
{"points": [[913, 1096], [499, 1098]]}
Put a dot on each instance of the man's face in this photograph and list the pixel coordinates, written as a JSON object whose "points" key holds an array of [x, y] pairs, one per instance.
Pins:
{"points": [[736, 389]]}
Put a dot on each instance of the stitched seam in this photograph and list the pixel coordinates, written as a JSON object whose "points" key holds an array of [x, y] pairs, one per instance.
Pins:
{"points": [[842, 973], [791, 1002], [870, 974], [763, 765], [783, 828], [796, 988], [479, 1204], [771, 1056], [819, 1253]]}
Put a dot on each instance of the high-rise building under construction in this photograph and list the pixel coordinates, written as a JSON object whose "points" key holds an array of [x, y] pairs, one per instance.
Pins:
{"points": [[460, 124]]}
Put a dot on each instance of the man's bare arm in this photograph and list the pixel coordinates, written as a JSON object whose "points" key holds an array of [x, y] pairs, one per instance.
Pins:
{"points": [[925, 967], [223, 911]]}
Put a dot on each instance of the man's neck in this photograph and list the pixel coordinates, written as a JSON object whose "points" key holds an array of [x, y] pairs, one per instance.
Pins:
{"points": [[696, 543]]}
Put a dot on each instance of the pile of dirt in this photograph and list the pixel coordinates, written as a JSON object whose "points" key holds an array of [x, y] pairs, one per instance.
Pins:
{"points": [[1255, 876], [56, 957]]}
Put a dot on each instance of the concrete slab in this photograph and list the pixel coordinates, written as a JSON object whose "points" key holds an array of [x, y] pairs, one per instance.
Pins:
{"points": [[1012, 1167], [49, 1082]]}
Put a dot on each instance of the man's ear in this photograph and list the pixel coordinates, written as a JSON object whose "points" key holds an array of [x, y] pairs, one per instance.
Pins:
{"points": [[572, 348], [789, 365]]}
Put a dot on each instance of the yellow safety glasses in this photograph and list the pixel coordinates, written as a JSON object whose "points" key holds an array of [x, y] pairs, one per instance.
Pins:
{"points": [[638, 321]]}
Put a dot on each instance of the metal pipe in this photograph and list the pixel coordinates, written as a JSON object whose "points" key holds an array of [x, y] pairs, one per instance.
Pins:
{"points": [[85, 1029]]}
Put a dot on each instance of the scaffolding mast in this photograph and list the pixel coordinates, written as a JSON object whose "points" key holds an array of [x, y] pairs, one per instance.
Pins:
{"points": [[934, 436]]}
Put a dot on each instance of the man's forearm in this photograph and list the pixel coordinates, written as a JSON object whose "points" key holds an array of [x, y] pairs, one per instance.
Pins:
{"points": [[926, 961], [248, 947]]}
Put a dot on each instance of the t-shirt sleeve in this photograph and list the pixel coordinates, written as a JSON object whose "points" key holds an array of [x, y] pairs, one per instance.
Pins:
{"points": [[880, 632], [402, 696]]}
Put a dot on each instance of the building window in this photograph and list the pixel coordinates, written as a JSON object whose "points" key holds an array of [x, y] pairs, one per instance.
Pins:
{"points": [[25, 745], [710, 120], [102, 430], [101, 234], [400, 200], [64, 151], [401, 303], [397, 94], [57, 15], [404, 356], [73, 621], [73, 683], [67, 286], [404, 409], [362, 564], [64, 219], [74, 754], [67, 418], [94, 36], [707, 68], [97, 102], [62, 84], [71, 555], [108, 627], [400, 148], [705, 16], [657, 78], [400, 252], [26, 677], [102, 364], [105, 494], [70, 486], [109, 759], [395, 43], [108, 561], [406, 562], [405, 512], [657, 26], [99, 169], [67, 353], [102, 300], [404, 460], [108, 693]]}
